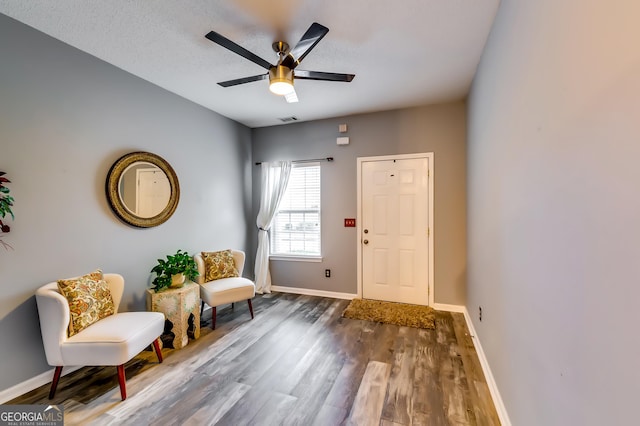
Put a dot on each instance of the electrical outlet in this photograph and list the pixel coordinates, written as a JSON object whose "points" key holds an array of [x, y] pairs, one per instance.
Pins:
{"points": [[480, 313], [327, 273]]}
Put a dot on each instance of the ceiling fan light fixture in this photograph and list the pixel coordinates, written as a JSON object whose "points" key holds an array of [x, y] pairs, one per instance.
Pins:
{"points": [[281, 75], [281, 80], [281, 87]]}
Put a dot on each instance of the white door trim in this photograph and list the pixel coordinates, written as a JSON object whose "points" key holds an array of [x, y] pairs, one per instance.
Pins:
{"points": [[360, 160]]}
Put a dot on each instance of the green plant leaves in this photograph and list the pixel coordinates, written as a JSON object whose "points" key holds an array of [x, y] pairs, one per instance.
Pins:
{"points": [[5, 206], [6, 200], [181, 262]]}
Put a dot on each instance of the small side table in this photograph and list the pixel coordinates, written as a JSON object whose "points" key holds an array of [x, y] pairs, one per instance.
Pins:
{"points": [[181, 306]]}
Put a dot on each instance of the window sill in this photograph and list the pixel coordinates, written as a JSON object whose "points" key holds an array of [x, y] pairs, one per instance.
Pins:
{"points": [[297, 258]]}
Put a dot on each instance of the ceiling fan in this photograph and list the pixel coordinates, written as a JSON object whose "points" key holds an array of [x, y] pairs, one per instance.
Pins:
{"points": [[282, 74]]}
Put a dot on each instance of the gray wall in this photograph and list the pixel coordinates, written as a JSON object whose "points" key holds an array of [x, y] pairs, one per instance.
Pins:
{"points": [[553, 178], [440, 129], [65, 117]]}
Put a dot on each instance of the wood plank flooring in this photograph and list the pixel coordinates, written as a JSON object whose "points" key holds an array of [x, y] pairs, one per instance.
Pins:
{"points": [[297, 363]]}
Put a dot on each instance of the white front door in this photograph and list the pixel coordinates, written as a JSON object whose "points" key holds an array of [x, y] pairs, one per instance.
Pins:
{"points": [[394, 229]]}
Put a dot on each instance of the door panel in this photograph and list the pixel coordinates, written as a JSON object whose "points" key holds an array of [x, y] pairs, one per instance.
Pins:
{"points": [[406, 268], [395, 221], [381, 275], [380, 214], [406, 210]]}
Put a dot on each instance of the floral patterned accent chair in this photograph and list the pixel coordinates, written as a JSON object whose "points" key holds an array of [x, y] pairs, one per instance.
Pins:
{"points": [[81, 325], [221, 281]]}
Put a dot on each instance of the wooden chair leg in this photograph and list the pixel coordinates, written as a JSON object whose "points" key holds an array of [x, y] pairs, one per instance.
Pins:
{"points": [[250, 307], [121, 381], [156, 346], [213, 317], [54, 383]]}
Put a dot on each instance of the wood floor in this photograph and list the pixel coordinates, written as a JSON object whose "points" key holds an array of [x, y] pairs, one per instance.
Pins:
{"points": [[297, 363]]}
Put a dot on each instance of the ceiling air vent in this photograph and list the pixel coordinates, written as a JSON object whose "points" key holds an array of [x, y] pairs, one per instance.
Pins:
{"points": [[288, 119]]}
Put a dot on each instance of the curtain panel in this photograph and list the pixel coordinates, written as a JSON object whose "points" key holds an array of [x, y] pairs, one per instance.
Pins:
{"points": [[274, 179]]}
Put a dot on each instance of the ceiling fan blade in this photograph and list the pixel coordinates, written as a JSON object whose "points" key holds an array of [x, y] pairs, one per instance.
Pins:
{"points": [[325, 76], [243, 80], [308, 41], [226, 43]]}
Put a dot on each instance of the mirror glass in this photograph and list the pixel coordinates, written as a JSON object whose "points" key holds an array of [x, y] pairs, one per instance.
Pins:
{"points": [[142, 189]]}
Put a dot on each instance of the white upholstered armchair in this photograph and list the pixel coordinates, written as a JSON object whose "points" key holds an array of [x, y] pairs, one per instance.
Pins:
{"points": [[112, 340], [229, 289]]}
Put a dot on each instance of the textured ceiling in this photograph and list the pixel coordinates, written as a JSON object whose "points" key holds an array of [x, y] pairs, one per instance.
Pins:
{"points": [[404, 53]]}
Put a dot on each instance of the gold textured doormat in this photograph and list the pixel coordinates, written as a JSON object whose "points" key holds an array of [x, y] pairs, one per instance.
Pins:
{"points": [[391, 313]]}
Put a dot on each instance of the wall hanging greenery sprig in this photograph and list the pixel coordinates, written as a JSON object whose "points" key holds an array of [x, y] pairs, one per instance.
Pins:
{"points": [[6, 201]]}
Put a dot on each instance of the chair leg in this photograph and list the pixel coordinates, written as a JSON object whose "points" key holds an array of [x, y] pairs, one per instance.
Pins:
{"points": [[201, 309], [250, 307], [121, 381], [156, 346], [233, 306], [213, 317], [54, 383]]}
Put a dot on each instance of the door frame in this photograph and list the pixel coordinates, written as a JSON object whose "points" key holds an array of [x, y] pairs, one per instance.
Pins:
{"points": [[429, 156]]}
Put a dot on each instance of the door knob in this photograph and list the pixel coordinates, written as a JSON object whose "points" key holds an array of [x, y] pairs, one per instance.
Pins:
{"points": [[366, 241]]}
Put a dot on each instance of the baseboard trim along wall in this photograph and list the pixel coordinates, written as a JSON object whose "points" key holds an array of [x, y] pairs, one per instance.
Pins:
{"points": [[32, 383], [311, 292], [449, 308], [493, 388]]}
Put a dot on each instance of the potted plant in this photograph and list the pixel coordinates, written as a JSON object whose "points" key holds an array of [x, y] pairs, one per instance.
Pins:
{"points": [[172, 272], [6, 201]]}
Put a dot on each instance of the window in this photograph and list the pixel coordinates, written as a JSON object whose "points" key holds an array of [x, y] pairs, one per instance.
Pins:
{"points": [[296, 226]]}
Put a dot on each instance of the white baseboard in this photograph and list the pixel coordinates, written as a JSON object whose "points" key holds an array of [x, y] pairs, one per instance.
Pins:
{"points": [[493, 388], [32, 383], [311, 292], [448, 308]]}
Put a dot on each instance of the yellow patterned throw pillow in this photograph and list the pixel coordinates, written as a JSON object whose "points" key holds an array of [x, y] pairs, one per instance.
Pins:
{"points": [[89, 300], [219, 264]]}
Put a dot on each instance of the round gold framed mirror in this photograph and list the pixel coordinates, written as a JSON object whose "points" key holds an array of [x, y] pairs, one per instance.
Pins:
{"points": [[142, 189]]}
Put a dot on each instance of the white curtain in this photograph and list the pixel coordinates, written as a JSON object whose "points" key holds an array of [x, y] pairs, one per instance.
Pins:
{"points": [[275, 176]]}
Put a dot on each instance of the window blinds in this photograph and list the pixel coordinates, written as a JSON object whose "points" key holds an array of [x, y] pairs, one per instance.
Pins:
{"points": [[296, 227]]}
